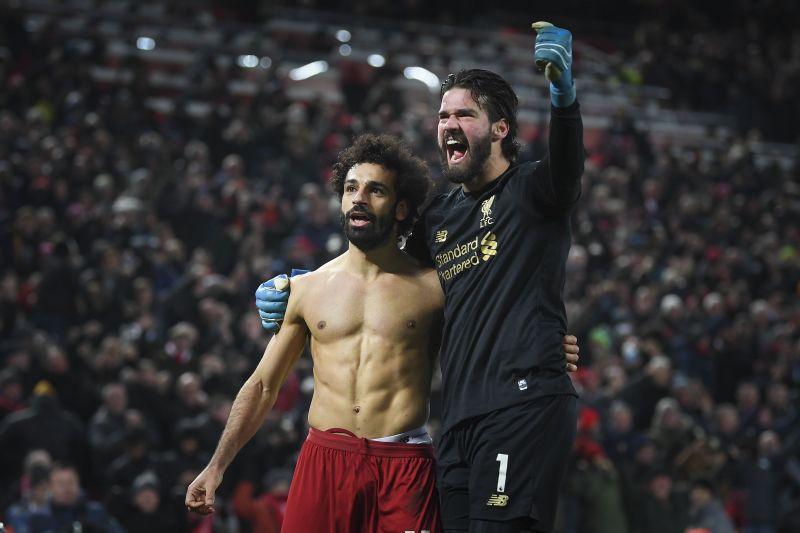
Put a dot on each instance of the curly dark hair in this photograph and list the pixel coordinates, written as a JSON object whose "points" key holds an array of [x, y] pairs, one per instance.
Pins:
{"points": [[412, 177], [494, 95]]}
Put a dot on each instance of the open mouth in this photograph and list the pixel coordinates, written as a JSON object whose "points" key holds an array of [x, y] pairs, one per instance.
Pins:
{"points": [[359, 220], [456, 150]]}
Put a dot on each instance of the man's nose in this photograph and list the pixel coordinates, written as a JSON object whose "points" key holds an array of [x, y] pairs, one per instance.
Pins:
{"points": [[451, 123], [359, 197]]}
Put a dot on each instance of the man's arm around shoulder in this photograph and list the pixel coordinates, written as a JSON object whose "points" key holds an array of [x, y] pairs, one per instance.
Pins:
{"points": [[252, 404]]}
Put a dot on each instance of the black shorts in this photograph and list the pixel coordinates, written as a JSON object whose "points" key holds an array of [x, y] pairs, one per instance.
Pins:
{"points": [[507, 465]]}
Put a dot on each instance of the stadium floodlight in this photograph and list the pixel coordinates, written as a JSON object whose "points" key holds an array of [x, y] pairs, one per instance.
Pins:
{"points": [[376, 60], [424, 75], [247, 61], [343, 36], [306, 71], [345, 50], [145, 43], [265, 62]]}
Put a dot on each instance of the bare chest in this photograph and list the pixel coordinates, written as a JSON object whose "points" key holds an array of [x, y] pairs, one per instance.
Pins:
{"points": [[398, 311]]}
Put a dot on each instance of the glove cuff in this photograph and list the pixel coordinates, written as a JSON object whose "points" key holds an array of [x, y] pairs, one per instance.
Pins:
{"points": [[563, 97]]}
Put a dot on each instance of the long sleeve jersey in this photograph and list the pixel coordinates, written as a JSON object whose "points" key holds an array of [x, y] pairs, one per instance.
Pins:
{"points": [[501, 253]]}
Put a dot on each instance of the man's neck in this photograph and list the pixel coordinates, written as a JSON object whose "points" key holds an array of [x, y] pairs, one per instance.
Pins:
{"points": [[494, 168], [384, 258]]}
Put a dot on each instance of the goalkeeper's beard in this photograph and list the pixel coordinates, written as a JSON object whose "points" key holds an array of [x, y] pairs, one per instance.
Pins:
{"points": [[479, 153]]}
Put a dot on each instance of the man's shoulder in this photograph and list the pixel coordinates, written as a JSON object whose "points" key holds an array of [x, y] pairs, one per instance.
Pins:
{"points": [[442, 201], [521, 170], [310, 282]]}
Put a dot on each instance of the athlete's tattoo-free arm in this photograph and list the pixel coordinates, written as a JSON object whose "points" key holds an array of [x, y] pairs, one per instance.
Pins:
{"points": [[251, 407]]}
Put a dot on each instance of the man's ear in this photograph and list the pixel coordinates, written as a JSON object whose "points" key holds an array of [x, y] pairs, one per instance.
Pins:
{"points": [[499, 129], [401, 211]]}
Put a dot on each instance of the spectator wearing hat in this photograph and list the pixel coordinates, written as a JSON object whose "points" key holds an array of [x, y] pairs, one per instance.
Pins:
{"points": [[186, 459], [594, 486], [136, 458], [44, 425], [146, 511]]}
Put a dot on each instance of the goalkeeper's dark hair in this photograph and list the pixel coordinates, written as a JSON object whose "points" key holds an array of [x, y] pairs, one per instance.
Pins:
{"points": [[494, 95], [412, 179]]}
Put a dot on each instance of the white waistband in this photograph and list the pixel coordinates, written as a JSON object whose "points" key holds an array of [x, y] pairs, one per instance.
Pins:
{"points": [[413, 436]]}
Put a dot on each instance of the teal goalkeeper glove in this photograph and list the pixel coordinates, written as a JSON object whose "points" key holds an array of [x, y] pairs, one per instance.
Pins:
{"points": [[272, 298], [553, 53]]}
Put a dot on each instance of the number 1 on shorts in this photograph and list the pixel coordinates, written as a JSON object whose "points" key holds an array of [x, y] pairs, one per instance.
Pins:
{"points": [[502, 458]]}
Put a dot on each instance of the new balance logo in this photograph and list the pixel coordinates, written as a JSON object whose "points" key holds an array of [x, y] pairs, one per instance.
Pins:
{"points": [[441, 235], [497, 500]]}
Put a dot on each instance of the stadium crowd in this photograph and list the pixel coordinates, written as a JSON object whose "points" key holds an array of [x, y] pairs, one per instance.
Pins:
{"points": [[131, 242]]}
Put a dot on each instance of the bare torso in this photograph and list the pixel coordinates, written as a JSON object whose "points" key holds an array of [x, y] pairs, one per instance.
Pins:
{"points": [[374, 343]]}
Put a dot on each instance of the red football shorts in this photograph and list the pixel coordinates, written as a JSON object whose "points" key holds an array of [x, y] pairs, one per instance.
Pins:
{"points": [[346, 484]]}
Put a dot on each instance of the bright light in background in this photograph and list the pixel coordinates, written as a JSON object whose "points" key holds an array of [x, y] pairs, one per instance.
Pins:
{"points": [[345, 50], [424, 75], [376, 60], [306, 71], [343, 36], [247, 61], [145, 43], [265, 62]]}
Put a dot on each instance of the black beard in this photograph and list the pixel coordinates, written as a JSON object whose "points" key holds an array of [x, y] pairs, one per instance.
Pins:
{"points": [[479, 153], [376, 234]]}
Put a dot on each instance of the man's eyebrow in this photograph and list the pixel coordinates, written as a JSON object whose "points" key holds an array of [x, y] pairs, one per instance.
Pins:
{"points": [[459, 111], [372, 183]]}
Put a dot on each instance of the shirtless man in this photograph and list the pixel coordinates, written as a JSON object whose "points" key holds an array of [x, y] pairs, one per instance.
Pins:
{"points": [[374, 317]]}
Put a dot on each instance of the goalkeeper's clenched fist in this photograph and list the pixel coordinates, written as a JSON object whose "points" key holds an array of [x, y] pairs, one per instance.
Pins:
{"points": [[553, 53]]}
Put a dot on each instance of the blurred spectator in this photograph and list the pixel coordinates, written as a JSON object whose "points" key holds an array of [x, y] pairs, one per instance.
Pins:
{"points": [[265, 512], [662, 508], [35, 427], [620, 437], [644, 391], [765, 479], [68, 508], [108, 424], [705, 511], [12, 396], [34, 500], [211, 423], [146, 511], [594, 484]]}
